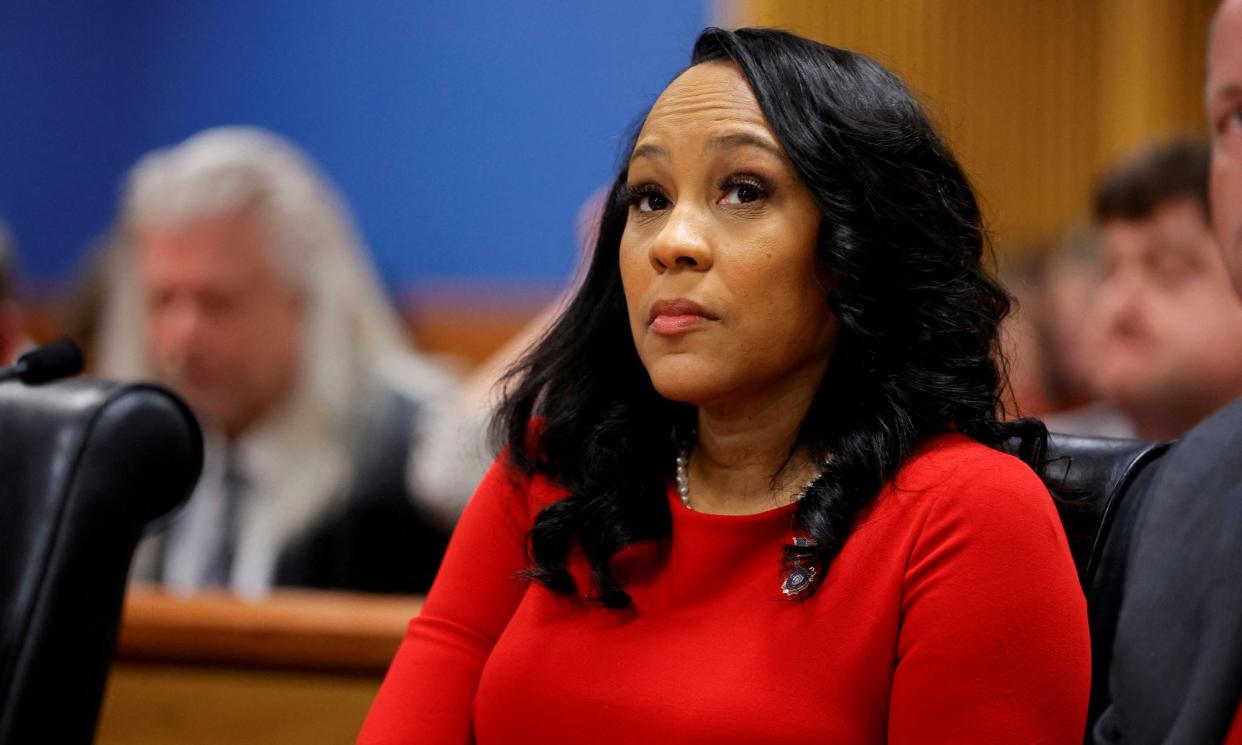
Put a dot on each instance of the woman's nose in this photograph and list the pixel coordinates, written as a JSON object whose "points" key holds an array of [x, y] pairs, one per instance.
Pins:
{"points": [[683, 242]]}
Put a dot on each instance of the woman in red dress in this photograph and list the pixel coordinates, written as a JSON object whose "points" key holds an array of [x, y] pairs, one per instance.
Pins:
{"points": [[752, 488]]}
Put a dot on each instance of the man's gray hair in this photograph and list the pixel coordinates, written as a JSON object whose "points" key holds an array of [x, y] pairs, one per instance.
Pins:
{"points": [[353, 351], [352, 334], [231, 170]]}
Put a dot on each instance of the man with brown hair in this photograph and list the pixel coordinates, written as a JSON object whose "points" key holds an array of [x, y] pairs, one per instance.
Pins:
{"points": [[1163, 337]]}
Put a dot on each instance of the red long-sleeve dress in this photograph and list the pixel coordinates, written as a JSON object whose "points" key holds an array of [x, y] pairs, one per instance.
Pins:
{"points": [[952, 615]]}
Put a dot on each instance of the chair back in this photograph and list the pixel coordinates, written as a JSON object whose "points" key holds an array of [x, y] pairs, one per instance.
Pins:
{"points": [[84, 466], [1091, 476]]}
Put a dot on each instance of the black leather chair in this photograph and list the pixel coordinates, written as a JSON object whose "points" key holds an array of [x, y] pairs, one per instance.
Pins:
{"points": [[1091, 478], [1100, 484], [84, 466]]}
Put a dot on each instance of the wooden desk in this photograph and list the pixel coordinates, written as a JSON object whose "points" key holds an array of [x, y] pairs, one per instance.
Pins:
{"points": [[297, 667]]}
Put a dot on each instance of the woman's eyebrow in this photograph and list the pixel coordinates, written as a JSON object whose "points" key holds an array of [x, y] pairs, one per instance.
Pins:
{"points": [[648, 151], [723, 142], [743, 139]]}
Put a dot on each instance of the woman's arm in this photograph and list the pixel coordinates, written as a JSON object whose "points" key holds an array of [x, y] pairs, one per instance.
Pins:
{"points": [[427, 695], [993, 645]]}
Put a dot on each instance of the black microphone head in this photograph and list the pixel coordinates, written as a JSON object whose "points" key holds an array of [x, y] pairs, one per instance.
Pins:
{"points": [[54, 361]]}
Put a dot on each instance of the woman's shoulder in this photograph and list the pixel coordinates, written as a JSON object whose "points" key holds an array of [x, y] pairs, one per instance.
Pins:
{"points": [[508, 482], [961, 461], [960, 475], [518, 489], [972, 507]]}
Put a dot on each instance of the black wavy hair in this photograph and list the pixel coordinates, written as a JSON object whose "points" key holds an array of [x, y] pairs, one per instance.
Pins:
{"points": [[918, 314]]}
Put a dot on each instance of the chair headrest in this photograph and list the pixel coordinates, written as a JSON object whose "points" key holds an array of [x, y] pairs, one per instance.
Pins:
{"points": [[1090, 476]]}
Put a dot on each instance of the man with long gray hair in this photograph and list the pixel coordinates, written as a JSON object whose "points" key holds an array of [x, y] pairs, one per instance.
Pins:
{"points": [[242, 284]]}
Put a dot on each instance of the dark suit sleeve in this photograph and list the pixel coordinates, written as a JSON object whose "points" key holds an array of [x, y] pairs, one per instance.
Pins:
{"points": [[1176, 672]]}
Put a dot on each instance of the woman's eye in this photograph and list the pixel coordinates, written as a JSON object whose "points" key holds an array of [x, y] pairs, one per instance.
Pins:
{"points": [[742, 193], [647, 200], [652, 202]]}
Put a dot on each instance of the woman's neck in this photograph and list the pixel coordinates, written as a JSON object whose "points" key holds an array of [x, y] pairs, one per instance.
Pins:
{"points": [[742, 444]]}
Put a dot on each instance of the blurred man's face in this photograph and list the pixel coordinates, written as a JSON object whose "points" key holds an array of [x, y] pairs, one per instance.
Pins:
{"points": [[1224, 102], [1164, 337], [223, 328]]}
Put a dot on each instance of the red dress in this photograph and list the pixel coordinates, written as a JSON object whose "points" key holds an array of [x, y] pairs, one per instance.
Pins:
{"points": [[952, 615], [1234, 736]]}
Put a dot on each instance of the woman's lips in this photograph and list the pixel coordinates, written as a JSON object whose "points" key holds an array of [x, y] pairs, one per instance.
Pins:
{"points": [[673, 325], [673, 317]]}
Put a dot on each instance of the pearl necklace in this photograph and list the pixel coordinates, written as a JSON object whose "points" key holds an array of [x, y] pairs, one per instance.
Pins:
{"points": [[683, 479]]}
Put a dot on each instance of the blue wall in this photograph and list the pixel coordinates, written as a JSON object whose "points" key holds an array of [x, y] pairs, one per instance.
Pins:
{"points": [[464, 135]]}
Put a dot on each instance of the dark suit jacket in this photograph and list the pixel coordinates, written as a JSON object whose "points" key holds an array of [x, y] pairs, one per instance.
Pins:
{"points": [[1176, 670], [379, 540]]}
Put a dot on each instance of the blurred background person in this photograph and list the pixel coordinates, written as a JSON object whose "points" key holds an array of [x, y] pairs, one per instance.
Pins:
{"points": [[1028, 392], [1052, 283], [1066, 285], [12, 335], [242, 284], [85, 299], [1163, 332]]}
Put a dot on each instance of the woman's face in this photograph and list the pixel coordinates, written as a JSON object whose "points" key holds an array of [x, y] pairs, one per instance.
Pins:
{"points": [[725, 295]]}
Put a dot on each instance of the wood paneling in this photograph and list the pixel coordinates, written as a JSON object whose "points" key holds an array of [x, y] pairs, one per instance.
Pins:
{"points": [[294, 667], [1035, 97], [159, 705]]}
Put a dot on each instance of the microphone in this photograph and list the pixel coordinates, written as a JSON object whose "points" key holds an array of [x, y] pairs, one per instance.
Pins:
{"points": [[60, 359]]}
